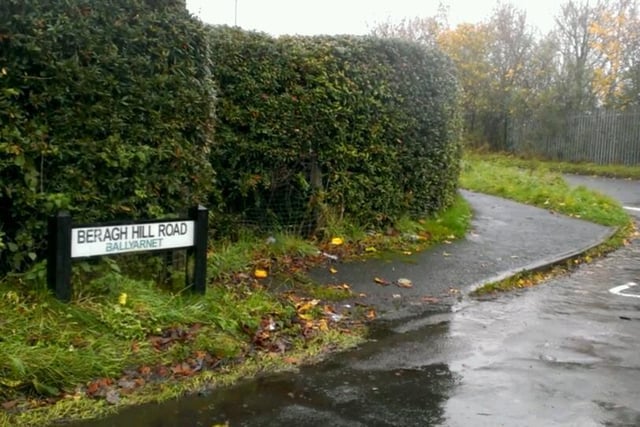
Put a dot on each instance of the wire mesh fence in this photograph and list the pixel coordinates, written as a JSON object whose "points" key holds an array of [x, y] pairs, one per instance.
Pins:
{"points": [[289, 204], [603, 137]]}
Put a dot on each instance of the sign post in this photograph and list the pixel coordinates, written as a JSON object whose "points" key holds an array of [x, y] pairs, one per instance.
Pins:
{"points": [[67, 242], [59, 259], [200, 215]]}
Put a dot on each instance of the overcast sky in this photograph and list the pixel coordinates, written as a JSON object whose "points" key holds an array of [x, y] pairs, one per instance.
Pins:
{"points": [[352, 16]]}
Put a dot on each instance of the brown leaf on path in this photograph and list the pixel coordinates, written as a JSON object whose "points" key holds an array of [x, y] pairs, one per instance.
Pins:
{"points": [[382, 282], [371, 314], [430, 300], [342, 287], [328, 309], [404, 283]]}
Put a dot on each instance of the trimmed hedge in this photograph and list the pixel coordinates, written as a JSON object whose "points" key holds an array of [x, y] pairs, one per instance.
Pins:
{"points": [[378, 117], [106, 110]]}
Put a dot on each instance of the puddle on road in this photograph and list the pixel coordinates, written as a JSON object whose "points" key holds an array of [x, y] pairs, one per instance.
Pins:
{"points": [[328, 394]]}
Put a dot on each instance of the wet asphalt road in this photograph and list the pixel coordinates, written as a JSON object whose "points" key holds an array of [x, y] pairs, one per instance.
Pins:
{"points": [[565, 353], [506, 237]]}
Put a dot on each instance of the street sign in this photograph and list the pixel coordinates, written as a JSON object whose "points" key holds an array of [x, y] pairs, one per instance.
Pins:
{"points": [[68, 242], [117, 239]]}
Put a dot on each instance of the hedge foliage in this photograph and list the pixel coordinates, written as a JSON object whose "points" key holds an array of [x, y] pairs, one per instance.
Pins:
{"points": [[377, 117], [106, 110]]}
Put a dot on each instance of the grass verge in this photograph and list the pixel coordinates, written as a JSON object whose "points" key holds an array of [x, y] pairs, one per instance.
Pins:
{"points": [[540, 187], [583, 168]]}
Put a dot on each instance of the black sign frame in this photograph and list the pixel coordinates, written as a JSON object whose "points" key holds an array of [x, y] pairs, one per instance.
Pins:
{"points": [[59, 250]]}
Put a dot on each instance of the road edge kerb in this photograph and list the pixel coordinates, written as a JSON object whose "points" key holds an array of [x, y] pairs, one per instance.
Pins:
{"points": [[544, 263]]}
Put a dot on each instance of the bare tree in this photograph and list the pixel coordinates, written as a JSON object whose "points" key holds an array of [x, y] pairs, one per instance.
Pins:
{"points": [[575, 37], [424, 30]]}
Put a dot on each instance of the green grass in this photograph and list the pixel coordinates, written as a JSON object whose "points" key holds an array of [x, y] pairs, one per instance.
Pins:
{"points": [[583, 168], [539, 186], [66, 344], [414, 235]]}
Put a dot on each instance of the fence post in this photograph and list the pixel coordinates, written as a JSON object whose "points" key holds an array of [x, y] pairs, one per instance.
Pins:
{"points": [[200, 215], [59, 255]]}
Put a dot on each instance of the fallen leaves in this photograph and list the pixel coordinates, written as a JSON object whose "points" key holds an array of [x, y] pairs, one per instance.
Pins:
{"points": [[371, 314], [305, 307], [381, 281], [401, 283], [111, 389], [259, 273], [99, 387], [404, 283], [122, 299], [173, 335], [342, 287], [182, 369]]}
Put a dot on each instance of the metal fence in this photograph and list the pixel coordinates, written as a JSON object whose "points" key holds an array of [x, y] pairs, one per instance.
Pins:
{"points": [[603, 137]]}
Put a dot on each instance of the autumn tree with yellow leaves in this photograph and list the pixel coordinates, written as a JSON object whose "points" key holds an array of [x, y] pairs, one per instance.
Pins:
{"points": [[589, 61]]}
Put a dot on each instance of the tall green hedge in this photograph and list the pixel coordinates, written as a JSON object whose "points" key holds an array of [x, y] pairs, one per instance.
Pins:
{"points": [[377, 117], [106, 109]]}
